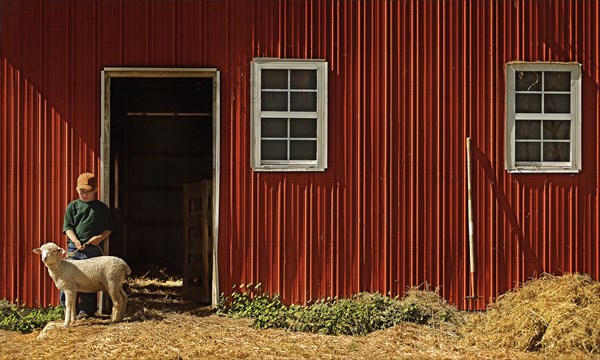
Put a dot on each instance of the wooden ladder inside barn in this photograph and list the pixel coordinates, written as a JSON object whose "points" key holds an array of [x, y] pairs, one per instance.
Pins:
{"points": [[197, 225]]}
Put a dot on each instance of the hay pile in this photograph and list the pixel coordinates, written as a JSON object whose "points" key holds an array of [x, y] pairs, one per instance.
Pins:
{"points": [[553, 315], [438, 313]]}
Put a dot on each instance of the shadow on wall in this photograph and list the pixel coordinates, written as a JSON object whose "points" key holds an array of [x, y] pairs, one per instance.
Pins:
{"points": [[542, 184], [516, 228]]}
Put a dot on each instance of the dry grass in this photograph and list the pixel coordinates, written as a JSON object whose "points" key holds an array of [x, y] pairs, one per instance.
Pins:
{"points": [[440, 313], [160, 325], [553, 315]]}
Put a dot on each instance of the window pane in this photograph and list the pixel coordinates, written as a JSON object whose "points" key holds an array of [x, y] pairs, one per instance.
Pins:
{"points": [[303, 101], [273, 149], [560, 151], [273, 101], [557, 81], [273, 127], [303, 150], [528, 151], [557, 103], [528, 129], [557, 130], [274, 79], [306, 128], [528, 81], [528, 103], [303, 79]]}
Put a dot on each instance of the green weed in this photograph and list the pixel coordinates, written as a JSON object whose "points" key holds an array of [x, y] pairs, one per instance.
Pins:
{"points": [[360, 314], [25, 320]]}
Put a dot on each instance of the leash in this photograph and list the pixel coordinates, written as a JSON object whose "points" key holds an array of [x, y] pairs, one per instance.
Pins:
{"points": [[70, 255]]}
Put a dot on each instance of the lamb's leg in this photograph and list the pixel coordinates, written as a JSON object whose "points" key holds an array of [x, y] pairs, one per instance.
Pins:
{"points": [[115, 296], [124, 304], [70, 306]]}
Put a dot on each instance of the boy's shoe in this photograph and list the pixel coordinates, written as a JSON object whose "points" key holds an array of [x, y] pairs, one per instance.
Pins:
{"points": [[82, 316], [127, 289]]}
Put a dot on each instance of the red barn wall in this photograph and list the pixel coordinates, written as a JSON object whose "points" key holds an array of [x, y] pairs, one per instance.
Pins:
{"points": [[408, 82]]}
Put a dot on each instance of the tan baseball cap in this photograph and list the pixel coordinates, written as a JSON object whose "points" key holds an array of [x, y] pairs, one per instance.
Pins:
{"points": [[87, 181]]}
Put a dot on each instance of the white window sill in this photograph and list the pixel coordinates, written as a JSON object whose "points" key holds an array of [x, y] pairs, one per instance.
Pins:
{"points": [[289, 168], [546, 170]]}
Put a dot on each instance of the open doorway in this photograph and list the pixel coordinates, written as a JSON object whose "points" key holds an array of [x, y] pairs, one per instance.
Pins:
{"points": [[160, 144]]}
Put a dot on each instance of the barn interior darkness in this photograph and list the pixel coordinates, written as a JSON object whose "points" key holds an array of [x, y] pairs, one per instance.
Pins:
{"points": [[160, 139]]}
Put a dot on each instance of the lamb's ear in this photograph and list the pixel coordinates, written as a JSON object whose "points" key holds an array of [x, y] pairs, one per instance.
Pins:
{"points": [[63, 251], [37, 251]]}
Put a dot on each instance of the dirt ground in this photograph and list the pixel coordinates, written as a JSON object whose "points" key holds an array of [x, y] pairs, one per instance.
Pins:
{"points": [[160, 325]]}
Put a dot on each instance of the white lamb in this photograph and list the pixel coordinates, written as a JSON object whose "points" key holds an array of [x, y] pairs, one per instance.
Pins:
{"points": [[90, 275]]}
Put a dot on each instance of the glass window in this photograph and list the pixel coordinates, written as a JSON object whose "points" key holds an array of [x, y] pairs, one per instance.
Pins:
{"points": [[289, 115], [543, 102]]}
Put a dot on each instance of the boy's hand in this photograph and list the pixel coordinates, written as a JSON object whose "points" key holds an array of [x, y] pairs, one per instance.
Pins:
{"points": [[71, 235]]}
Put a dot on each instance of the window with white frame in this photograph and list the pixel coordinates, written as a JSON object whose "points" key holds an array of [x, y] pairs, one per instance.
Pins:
{"points": [[289, 115], [543, 117]]}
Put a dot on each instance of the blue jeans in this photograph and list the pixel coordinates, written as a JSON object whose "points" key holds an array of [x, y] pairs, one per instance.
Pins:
{"points": [[86, 302]]}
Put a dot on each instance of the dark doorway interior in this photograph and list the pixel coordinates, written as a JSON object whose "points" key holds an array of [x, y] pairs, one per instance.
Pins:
{"points": [[160, 139]]}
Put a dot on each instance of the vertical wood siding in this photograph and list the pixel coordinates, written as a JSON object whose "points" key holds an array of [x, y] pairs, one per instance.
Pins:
{"points": [[408, 82]]}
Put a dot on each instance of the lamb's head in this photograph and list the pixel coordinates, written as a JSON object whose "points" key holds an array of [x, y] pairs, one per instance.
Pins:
{"points": [[51, 253]]}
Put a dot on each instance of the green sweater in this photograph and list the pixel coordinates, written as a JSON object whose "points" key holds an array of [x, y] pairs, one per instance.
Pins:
{"points": [[87, 219]]}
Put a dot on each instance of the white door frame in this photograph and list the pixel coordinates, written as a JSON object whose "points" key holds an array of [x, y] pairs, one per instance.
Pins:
{"points": [[213, 73]]}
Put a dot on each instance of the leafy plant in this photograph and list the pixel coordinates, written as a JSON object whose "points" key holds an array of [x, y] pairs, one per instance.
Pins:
{"points": [[252, 302], [358, 315], [411, 313], [26, 320]]}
